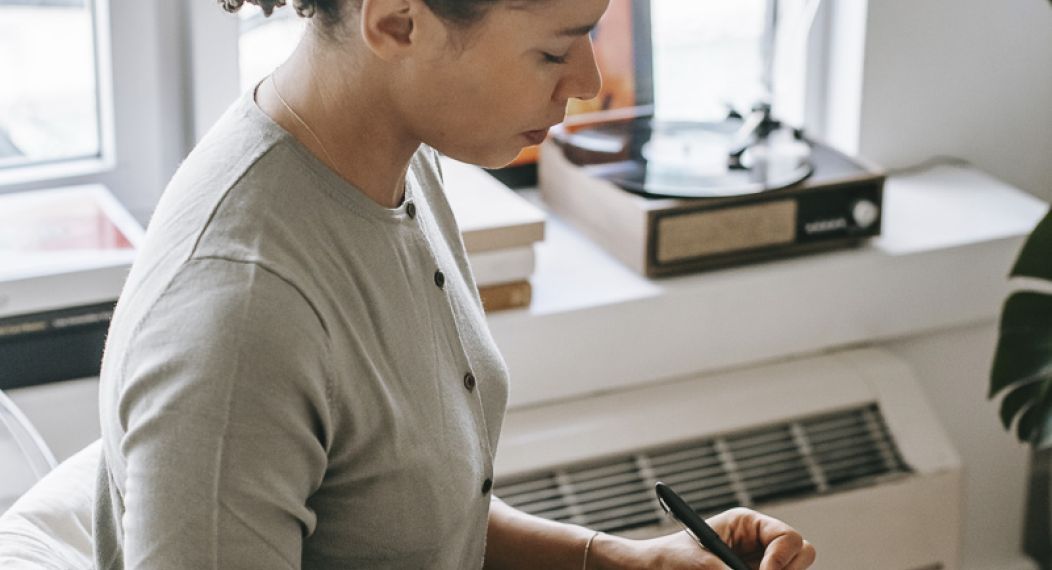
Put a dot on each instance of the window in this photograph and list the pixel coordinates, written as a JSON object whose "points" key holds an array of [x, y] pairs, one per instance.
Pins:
{"points": [[707, 55], [68, 121], [49, 107], [265, 42]]}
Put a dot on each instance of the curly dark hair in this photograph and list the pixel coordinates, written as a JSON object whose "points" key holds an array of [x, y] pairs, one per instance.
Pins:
{"points": [[461, 12]]}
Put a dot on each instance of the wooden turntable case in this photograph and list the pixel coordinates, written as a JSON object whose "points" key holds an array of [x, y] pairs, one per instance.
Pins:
{"points": [[668, 236]]}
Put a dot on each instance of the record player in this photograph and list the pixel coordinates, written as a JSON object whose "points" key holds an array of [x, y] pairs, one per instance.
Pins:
{"points": [[669, 198]]}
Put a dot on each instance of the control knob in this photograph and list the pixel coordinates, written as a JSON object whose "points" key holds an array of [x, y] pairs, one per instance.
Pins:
{"points": [[864, 213]]}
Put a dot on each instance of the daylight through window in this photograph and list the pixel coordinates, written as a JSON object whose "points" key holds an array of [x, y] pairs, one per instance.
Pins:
{"points": [[265, 42], [49, 110]]}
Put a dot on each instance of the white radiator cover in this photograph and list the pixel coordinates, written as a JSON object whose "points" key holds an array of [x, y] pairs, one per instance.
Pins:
{"points": [[909, 521]]}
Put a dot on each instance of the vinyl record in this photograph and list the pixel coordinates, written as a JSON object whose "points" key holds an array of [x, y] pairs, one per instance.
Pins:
{"points": [[687, 159]]}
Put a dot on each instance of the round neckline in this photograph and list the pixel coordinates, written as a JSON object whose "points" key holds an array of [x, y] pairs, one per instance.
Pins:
{"points": [[341, 190]]}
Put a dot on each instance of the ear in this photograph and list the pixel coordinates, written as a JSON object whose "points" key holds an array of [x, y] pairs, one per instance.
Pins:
{"points": [[392, 28]]}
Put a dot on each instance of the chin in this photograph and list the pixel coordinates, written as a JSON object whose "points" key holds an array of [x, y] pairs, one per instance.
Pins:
{"points": [[486, 158]]}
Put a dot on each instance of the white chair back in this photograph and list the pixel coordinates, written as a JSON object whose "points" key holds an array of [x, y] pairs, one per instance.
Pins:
{"points": [[49, 526], [25, 456]]}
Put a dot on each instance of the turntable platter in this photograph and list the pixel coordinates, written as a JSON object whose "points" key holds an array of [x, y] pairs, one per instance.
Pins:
{"points": [[664, 159]]}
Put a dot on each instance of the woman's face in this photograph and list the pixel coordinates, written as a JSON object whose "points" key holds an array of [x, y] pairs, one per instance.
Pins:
{"points": [[482, 100]]}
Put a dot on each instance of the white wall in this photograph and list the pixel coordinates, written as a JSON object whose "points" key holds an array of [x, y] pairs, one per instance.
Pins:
{"points": [[971, 79], [953, 367], [968, 78]]}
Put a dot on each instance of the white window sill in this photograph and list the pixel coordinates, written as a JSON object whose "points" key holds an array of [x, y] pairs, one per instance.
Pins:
{"points": [[54, 172], [949, 239]]}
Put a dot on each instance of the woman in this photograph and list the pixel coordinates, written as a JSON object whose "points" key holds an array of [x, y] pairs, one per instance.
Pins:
{"points": [[299, 371]]}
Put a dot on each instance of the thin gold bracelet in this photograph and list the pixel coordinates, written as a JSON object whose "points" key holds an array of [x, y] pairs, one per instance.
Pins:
{"points": [[587, 548]]}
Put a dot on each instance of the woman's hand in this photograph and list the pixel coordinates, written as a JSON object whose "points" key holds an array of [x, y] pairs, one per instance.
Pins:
{"points": [[763, 542]]}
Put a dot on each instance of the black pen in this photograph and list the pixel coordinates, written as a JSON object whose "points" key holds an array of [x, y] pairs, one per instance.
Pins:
{"points": [[697, 527]]}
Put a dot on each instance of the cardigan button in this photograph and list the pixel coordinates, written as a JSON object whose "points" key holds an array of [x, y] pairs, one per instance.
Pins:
{"points": [[440, 279], [487, 485], [469, 381], [410, 208]]}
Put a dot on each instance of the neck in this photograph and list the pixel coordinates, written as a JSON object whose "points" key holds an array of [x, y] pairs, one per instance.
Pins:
{"points": [[346, 103]]}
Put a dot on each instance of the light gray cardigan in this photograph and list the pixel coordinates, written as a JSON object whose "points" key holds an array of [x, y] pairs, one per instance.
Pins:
{"points": [[296, 375]]}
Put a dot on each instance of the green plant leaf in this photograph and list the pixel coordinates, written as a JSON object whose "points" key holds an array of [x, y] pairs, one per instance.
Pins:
{"points": [[1024, 349], [1034, 421], [1016, 400], [1043, 439], [1035, 259], [1026, 423], [1023, 362]]}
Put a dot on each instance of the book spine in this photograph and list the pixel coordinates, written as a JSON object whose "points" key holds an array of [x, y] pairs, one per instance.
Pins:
{"points": [[503, 266], [52, 346], [506, 296]]}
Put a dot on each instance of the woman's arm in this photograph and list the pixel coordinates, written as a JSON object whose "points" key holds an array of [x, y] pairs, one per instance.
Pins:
{"points": [[225, 407], [518, 540]]}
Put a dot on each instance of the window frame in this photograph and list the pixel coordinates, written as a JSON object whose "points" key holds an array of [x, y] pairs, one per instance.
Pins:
{"points": [[142, 124], [214, 67], [16, 176]]}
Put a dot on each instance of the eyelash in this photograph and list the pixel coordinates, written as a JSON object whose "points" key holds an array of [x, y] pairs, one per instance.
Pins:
{"points": [[556, 59]]}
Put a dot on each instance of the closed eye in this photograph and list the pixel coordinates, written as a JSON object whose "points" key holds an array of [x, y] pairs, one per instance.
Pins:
{"points": [[558, 59]]}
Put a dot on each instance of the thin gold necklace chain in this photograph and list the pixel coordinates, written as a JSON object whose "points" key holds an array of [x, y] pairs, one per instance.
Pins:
{"points": [[299, 119], [296, 116]]}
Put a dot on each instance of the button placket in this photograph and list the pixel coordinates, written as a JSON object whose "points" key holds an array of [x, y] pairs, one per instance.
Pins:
{"points": [[469, 380]]}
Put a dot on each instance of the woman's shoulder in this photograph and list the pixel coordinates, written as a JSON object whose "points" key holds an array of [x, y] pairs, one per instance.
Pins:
{"points": [[224, 159], [244, 192]]}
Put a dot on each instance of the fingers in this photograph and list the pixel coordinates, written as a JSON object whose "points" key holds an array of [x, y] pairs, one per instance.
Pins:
{"points": [[750, 529], [781, 551], [804, 559], [782, 546]]}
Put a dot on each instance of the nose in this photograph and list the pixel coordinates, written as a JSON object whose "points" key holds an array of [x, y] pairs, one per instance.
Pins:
{"points": [[583, 80]]}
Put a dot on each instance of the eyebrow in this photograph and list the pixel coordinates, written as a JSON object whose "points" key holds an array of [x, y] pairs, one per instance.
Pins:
{"points": [[577, 31]]}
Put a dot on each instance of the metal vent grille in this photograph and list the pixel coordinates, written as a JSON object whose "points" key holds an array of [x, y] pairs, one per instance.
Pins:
{"points": [[808, 456]]}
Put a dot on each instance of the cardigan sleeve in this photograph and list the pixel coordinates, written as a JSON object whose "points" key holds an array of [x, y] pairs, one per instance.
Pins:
{"points": [[226, 417]]}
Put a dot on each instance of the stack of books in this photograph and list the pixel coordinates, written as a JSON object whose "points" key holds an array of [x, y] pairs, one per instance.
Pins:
{"points": [[500, 229], [64, 256]]}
